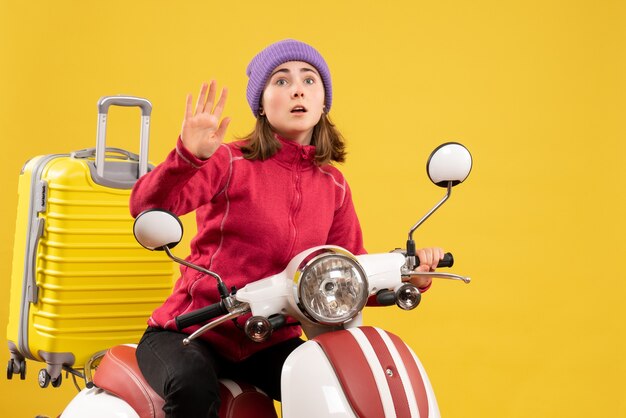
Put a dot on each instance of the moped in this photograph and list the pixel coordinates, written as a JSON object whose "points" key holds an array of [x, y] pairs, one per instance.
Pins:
{"points": [[345, 369]]}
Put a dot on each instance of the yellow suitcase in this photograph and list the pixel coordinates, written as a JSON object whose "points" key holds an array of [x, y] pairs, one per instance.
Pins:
{"points": [[80, 282]]}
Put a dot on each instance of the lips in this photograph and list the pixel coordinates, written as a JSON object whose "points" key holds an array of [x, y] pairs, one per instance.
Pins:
{"points": [[298, 109]]}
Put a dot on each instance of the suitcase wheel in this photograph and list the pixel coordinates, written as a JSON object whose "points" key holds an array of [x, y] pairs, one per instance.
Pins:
{"points": [[15, 367], [45, 379], [56, 383]]}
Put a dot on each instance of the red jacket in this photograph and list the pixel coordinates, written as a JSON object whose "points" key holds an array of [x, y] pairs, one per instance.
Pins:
{"points": [[252, 217]]}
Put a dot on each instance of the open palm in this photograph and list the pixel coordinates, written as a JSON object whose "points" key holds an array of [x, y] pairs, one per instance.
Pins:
{"points": [[202, 131]]}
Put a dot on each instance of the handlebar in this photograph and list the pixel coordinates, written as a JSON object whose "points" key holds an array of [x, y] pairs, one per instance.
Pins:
{"points": [[200, 315], [446, 261], [218, 309]]}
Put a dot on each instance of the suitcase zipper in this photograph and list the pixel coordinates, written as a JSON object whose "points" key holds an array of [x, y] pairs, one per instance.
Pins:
{"points": [[37, 204]]}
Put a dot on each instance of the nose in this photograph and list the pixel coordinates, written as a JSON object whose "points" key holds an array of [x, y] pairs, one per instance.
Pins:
{"points": [[297, 91]]}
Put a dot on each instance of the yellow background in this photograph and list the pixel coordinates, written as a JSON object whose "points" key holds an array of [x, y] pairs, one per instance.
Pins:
{"points": [[535, 89]]}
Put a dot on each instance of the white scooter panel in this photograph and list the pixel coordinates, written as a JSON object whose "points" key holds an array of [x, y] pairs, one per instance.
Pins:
{"points": [[362, 372], [98, 403]]}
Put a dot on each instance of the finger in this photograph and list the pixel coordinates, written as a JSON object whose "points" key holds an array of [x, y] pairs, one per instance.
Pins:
{"points": [[188, 111], [421, 282], [433, 258], [420, 255], [210, 100], [423, 268], [221, 131], [437, 256], [221, 103], [423, 256], [200, 102], [442, 253], [429, 257]]}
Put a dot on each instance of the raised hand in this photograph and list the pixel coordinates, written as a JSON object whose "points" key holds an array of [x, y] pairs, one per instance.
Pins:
{"points": [[202, 131]]}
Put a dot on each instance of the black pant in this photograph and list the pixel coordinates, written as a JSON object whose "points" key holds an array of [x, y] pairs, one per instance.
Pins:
{"points": [[186, 375]]}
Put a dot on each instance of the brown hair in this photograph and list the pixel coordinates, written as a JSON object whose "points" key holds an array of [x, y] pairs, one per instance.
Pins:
{"points": [[329, 143]]}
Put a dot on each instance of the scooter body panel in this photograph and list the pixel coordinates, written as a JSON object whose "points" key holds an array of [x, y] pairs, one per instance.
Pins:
{"points": [[97, 403], [310, 388]]}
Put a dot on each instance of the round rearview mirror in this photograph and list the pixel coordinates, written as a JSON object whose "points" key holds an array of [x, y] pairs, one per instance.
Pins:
{"points": [[155, 229], [449, 163]]}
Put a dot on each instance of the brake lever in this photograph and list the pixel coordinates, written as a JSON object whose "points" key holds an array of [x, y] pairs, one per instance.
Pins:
{"points": [[237, 311], [406, 276]]}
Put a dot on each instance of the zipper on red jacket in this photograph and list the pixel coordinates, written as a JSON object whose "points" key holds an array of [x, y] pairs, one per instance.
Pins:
{"points": [[296, 204]]}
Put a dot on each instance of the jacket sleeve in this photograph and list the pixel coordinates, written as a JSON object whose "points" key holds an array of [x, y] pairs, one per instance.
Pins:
{"points": [[182, 182], [346, 229]]}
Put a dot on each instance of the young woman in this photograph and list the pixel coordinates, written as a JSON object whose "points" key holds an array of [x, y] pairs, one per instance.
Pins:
{"points": [[258, 202]]}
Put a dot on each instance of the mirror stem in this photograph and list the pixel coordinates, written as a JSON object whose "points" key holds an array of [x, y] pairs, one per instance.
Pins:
{"points": [[410, 244], [441, 202], [220, 284]]}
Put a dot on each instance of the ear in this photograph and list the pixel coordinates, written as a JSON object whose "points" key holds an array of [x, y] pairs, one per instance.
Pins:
{"points": [[261, 111]]}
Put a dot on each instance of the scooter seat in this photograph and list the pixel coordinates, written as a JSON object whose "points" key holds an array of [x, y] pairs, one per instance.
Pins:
{"points": [[119, 374]]}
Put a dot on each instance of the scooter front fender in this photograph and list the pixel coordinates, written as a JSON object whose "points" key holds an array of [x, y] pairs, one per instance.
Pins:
{"points": [[362, 372]]}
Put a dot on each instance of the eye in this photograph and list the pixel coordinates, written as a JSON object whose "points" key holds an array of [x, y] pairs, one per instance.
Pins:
{"points": [[281, 82], [309, 81]]}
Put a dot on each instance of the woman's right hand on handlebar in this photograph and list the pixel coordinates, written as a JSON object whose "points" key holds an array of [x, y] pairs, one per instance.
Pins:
{"points": [[202, 132]]}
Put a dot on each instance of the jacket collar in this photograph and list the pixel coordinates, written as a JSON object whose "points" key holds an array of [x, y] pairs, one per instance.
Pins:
{"points": [[293, 154]]}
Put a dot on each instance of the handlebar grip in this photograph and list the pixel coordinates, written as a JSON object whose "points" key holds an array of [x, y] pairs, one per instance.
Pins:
{"points": [[277, 321], [447, 261], [200, 315], [386, 297]]}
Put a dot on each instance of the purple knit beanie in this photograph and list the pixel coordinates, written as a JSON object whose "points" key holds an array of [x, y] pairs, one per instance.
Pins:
{"points": [[262, 65]]}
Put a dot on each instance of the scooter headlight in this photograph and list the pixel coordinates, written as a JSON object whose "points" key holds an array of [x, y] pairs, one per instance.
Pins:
{"points": [[331, 288]]}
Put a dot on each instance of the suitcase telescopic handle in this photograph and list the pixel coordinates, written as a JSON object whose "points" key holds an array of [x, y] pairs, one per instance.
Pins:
{"points": [[130, 101], [103, 110]]}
